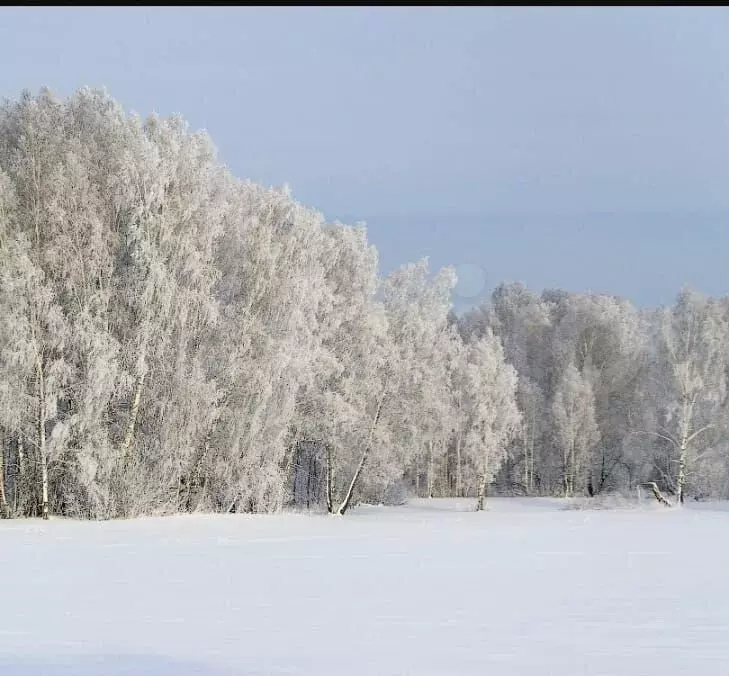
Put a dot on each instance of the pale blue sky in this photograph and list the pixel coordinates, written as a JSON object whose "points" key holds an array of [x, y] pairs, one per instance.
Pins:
{"points": [[584, 148]]}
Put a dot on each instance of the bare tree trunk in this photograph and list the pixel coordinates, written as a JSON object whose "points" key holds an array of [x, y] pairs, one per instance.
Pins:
{"points": [[681, 478], [4, 510], [532, 442], [569, 469], [530, 487], [330, 497], [350, 491], [20, 482], [129, 434], [431, 469], [481, 493], [526, 458], [529, 443], [445, 476], [686, 438], [42, 436], [459, 470], [483, 484], [310, 480], [657, 494]]}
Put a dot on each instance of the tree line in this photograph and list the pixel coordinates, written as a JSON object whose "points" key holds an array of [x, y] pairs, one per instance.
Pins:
{"points": [[174, 339]]}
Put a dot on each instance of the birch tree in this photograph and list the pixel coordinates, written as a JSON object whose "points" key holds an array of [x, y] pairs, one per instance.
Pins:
{"points": [[493, 415], [523, 323], [417, 310], [176, 339], [11, 404], [337, 409], [30, 155], [605, 340], [270, 288], [692, 348], [575, 429]]}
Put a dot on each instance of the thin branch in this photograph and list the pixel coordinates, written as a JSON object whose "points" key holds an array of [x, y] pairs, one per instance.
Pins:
{"points": [[697, 432]]}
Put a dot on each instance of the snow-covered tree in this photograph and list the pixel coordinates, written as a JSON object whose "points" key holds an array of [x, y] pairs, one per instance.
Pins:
{"points": [[33, 269], [418, 410], [176, 339], [691, 351], [337, 417], [492, 415], [576, 431]]}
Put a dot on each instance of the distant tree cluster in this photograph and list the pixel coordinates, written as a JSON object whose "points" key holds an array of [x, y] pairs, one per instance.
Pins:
{"points": [[611, 397], [173, 339]]}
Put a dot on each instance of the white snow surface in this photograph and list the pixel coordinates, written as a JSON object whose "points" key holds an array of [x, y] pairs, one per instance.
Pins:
{"points": [[431, 588]]}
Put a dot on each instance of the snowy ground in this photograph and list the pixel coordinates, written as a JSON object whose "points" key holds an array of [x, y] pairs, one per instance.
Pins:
{"points": [[422, 590]]}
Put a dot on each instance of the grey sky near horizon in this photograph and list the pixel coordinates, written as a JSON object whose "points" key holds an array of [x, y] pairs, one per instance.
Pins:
{"points": [[580, 148]]}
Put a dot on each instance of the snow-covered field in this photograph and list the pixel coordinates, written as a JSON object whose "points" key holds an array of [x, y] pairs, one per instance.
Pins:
{"points": [[426, 589]]}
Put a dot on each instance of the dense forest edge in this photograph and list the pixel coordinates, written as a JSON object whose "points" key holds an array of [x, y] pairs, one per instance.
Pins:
{"points": [[175, 339]]}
